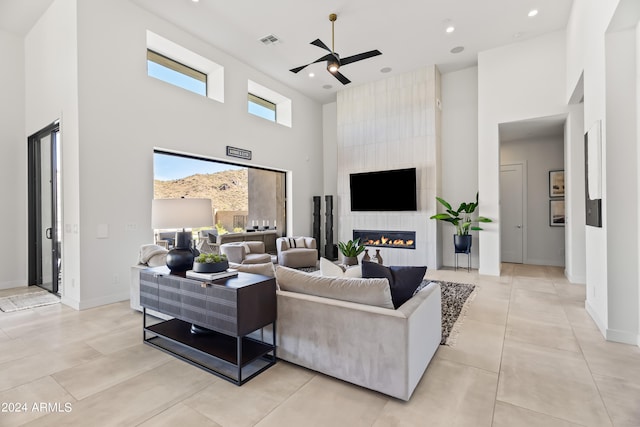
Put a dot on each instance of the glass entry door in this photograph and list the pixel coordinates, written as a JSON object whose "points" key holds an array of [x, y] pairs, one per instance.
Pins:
{"points": [[45, 228]]}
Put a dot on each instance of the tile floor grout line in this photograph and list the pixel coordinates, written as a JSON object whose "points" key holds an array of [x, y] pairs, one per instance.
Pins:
{"points": [[504, 338], [586, 362]]}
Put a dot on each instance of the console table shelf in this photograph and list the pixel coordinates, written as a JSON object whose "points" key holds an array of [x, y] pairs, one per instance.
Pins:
{"points": [[215, 344], [231, 308]]}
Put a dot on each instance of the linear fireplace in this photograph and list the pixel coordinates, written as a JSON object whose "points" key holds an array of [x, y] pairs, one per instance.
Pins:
{"points": [[386, 238]]}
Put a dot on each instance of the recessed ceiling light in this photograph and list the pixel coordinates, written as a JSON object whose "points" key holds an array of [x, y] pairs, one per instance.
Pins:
{"points": [[327, 87], [385, 69], [457, 49], [450, 29], [311, 75], [517, 35], [195, 1], [532, 13]]}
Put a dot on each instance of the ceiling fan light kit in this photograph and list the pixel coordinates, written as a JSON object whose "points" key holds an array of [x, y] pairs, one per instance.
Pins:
{"points": [[333, 59]]}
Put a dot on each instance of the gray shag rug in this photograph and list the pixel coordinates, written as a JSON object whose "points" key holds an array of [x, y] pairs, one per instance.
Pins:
{"points": [[27, 300], [456, 298]]}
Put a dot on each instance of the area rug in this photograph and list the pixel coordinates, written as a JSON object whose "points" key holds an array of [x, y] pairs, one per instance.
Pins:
{"points": [[28, 300], [456, 298]]}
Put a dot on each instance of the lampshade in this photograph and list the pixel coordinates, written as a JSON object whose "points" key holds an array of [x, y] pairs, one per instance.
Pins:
{"points": [[181, 213]]}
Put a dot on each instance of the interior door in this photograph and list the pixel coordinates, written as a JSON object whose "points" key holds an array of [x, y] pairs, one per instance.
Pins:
{"points": [[45, 228], [511, 213]]}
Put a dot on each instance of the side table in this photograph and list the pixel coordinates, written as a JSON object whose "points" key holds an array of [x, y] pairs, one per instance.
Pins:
{"points": [[230, 308]]}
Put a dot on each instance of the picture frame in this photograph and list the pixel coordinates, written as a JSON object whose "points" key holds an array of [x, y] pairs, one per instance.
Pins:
{"points": [[556, 213], [556, 183]]}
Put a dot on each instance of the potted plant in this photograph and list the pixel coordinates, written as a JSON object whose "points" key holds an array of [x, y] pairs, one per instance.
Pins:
{"points": [[350, 251], [462, 219], [210, 263]]}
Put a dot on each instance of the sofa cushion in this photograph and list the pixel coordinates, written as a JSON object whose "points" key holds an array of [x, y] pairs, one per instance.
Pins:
{"points": [[403, 281], [374, 292], [330, 269]]}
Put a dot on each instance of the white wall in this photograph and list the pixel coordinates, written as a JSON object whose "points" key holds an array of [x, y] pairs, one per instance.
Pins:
{"points": [[545, 244], [575, 266], [622, 186], [330, 163], [391, 124], [515, 82], [13, 163], [125, 114], [459, 152], [607, 57]]}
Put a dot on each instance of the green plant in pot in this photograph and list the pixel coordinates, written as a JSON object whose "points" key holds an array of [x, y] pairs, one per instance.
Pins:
{"points": [[350, 251], [462, 218], [210, 263]]}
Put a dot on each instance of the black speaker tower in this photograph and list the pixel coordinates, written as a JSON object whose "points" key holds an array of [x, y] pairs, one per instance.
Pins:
{"points": [[330, 250], [316, 221]]}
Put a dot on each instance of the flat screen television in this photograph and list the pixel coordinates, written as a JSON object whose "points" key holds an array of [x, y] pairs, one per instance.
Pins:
{"points": [[389, 190]]}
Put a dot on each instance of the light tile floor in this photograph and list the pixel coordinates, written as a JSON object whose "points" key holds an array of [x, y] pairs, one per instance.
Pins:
{"points": [[527, 355]]}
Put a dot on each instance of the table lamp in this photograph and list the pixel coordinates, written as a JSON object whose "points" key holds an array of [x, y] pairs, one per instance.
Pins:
{"points": [[181, 213]]}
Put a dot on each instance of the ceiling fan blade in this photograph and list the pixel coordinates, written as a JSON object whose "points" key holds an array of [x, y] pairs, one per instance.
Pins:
{"points": [[360, 57], [318, 42], [343, 79], [302, 67]]}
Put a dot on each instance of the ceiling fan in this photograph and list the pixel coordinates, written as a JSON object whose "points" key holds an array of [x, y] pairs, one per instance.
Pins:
{"points": [[333, 59]]}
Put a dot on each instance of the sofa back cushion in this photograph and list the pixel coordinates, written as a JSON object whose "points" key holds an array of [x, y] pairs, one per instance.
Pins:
{"points": [[374, 292]]}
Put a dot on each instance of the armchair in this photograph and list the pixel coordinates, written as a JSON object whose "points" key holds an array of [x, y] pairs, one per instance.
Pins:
{"points": [[245, 252], [296, 252]]}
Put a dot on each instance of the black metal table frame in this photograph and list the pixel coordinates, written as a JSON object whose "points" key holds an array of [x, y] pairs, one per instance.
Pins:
{"points": [[271, 359]]}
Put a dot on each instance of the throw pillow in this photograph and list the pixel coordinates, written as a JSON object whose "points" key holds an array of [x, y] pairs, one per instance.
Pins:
{"points": [[330, 269], [265, 269], [358, 290], [300, 242], [403, 281]]}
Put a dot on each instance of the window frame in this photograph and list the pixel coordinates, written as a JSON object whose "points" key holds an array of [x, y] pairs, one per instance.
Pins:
{"points": [[178, 67], [263, 103]]}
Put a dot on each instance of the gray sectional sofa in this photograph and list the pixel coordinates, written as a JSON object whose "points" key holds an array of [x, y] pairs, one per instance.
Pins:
{"points": [[373, 346]]}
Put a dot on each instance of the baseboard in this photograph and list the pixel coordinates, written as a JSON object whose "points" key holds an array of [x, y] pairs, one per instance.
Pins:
{"points": [[579, 280], [544, 262], [594, 315], [13, 284], [624, 337], [97, 302]]}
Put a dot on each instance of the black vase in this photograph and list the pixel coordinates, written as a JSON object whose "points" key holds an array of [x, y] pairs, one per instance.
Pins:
{"points": [[180, 260], [462, 243]]}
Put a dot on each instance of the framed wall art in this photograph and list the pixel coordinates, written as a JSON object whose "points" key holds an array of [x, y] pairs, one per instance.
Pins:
{"points": [[556, 183], [556, 213]]}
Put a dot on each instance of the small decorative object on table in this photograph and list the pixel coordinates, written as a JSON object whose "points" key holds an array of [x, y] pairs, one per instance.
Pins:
{"points": [[350, 251], [210, 263], [378, 256], [366, 256]]}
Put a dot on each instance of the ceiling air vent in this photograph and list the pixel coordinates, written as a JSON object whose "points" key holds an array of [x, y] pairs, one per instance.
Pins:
{"points": [[269, 40]]}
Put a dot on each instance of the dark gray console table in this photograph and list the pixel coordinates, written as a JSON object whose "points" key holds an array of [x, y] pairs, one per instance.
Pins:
{"points": [[231, 309]]}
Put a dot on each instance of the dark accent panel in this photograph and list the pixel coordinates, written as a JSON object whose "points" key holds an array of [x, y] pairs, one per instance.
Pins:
{"points": [[593, 207], [317, 221]]}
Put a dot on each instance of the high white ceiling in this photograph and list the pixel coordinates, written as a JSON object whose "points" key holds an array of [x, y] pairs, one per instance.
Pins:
{"points": [[409, 33]]}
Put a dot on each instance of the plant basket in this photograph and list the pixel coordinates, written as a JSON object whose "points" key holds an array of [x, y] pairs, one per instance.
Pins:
{"points": [[210, 267]]}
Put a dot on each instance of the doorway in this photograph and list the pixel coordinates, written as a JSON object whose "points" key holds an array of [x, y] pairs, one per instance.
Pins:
{"points": [[45, 219], [512, 196]]}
